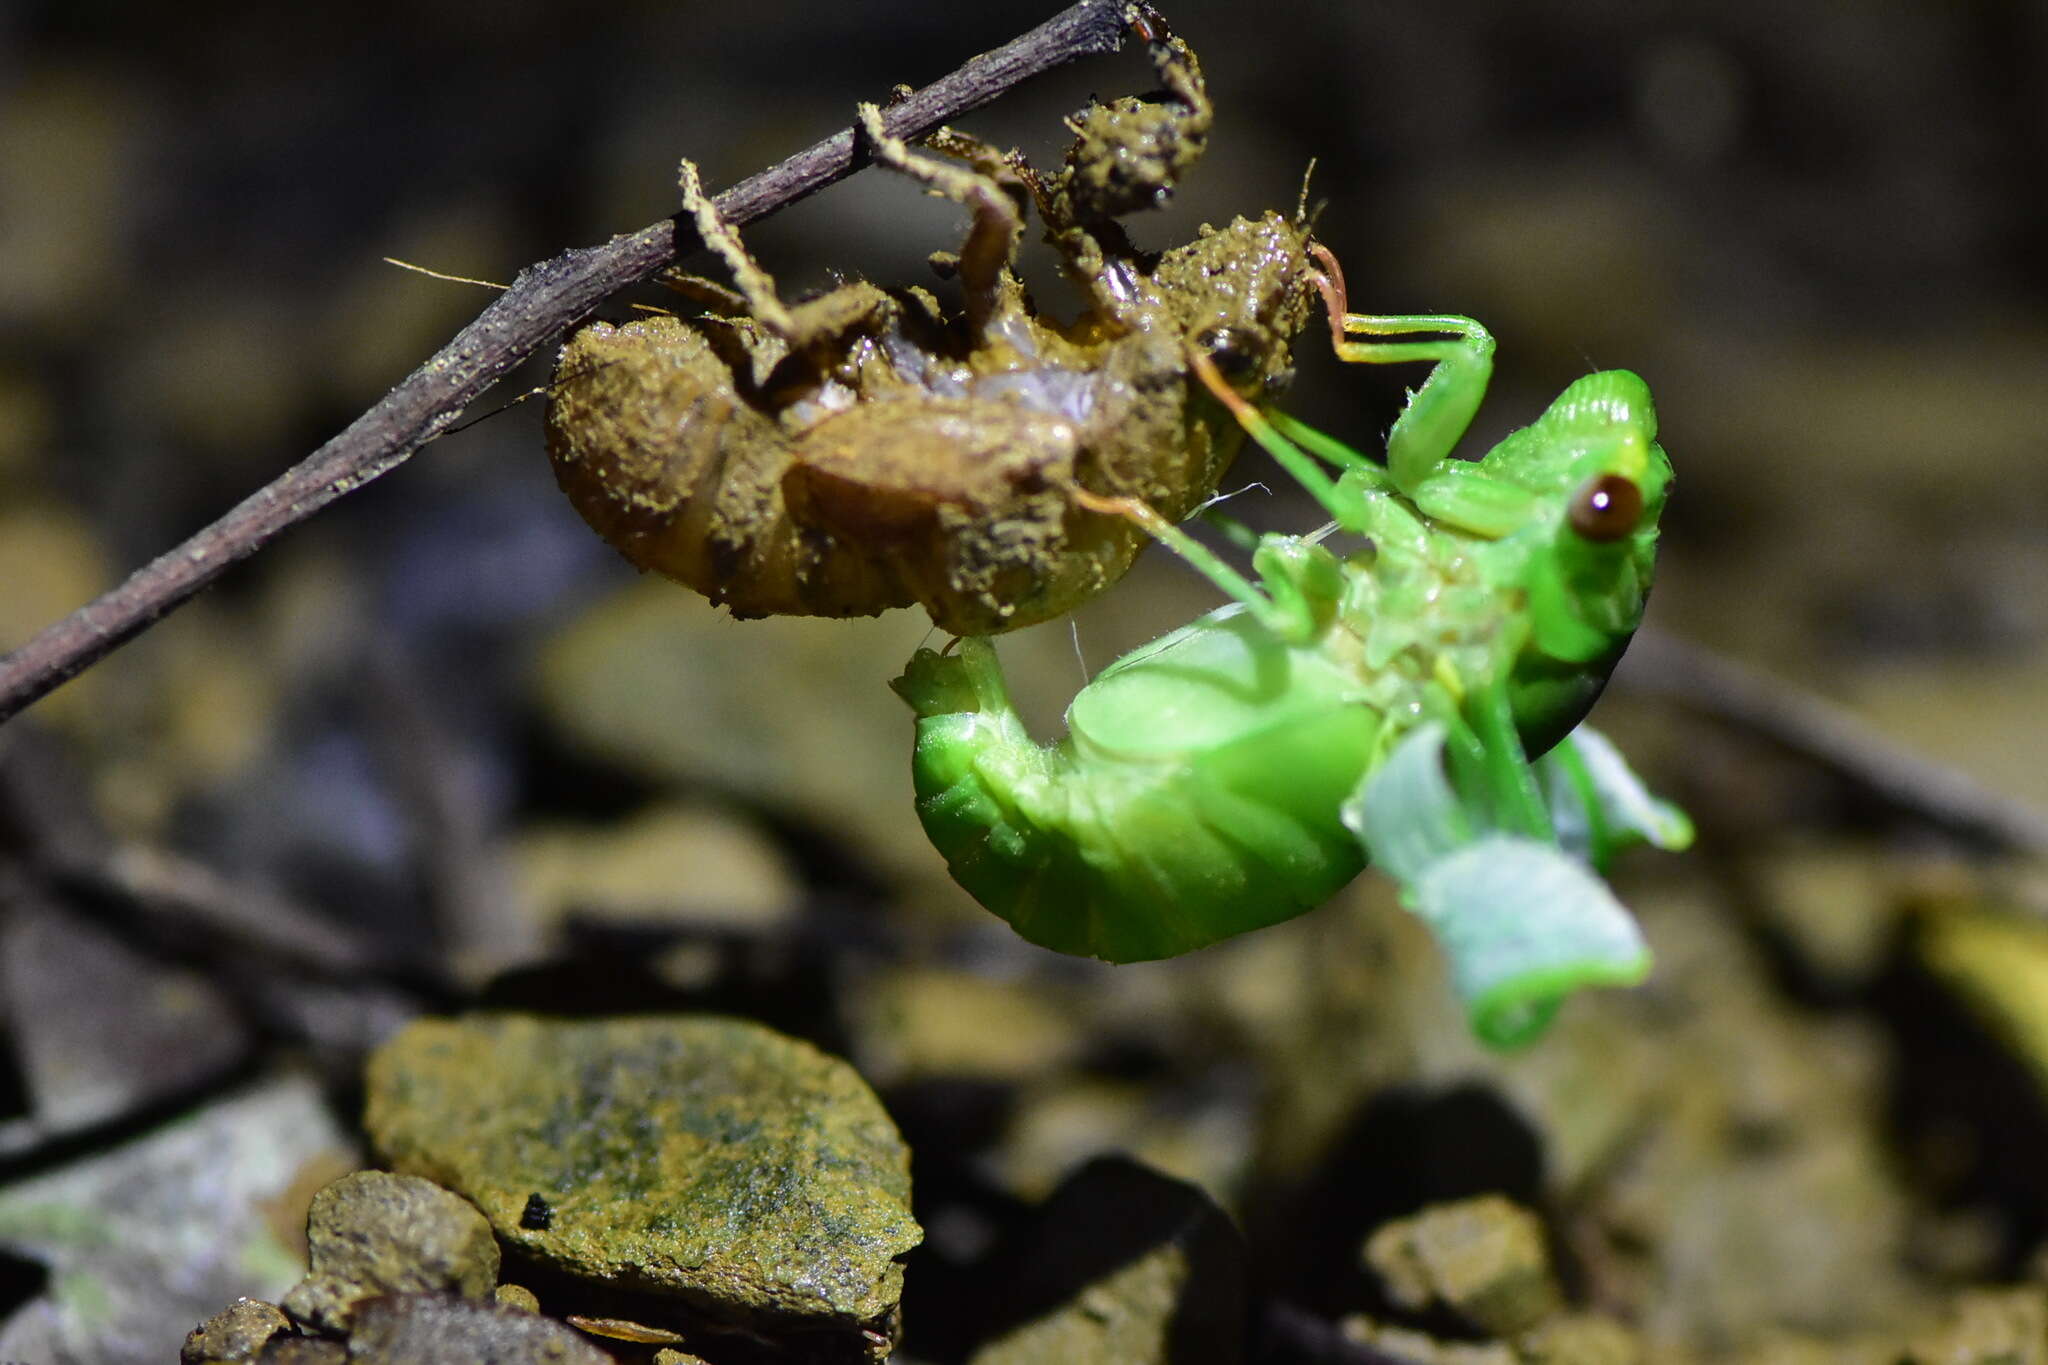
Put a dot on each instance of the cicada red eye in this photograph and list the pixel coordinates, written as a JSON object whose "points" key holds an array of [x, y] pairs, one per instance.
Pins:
{"points": [[1607, 508]]}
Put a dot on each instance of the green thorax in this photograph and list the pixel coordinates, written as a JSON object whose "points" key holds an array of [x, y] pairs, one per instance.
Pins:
{"points": [[1423, 615]]}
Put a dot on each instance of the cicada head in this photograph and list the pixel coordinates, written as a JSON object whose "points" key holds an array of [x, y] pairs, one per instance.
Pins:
{"points": [[1600, 480]]}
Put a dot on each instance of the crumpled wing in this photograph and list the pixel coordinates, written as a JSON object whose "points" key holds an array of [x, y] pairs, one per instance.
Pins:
{"points": [[1599, 806], [1522, 922]]}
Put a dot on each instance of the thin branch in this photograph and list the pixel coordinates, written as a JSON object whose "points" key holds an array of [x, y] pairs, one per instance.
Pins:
{"points": [[53, 840], [1827, 735], [543, 300]]}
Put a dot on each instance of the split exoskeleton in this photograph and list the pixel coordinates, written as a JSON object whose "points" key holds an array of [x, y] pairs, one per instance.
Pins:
{"points": [[868, 449]]}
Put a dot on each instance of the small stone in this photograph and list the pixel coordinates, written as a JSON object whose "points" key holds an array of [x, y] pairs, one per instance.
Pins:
{"points": [[1987, 1327], [920, 1022], [1483, 1258], [1838, 906], [100, 1029], [812, 745], [237, 1332], [325, 1302], [434, 1329], [712, 1160], [536, 1216], [1128, 1268], [1997, 964], [303, 1351], [1580, 1339], [684, 865], [1782, 1347], [372, 1233], [669, 1355], [163, 1229], [1411, 1347], [516, 1296], [625, 1329]]}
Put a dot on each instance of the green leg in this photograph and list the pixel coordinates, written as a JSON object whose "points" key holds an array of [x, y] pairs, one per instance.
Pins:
{"points": [[1339, 500], [1438, 413], [1302, 580], [1424, 435], [1288, 612], [1430, 427], [1232, 530], [1320, 444], [1511, 788], [1458, 494], [1489, 763], [1599, 805]]}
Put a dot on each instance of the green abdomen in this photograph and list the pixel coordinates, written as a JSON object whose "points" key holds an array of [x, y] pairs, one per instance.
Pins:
{"points": [[1143, 858]]}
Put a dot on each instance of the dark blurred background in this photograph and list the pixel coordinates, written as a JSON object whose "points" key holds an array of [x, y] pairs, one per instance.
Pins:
{"points": [[1815, 228], [446, 716]]}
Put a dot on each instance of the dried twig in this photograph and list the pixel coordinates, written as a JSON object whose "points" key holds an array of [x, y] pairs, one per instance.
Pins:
{"points": [[1826, 734], [543, 300], [53, 843]]}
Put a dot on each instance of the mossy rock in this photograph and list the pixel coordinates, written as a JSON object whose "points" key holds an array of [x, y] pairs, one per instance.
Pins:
{"points": [[711, 1160]]}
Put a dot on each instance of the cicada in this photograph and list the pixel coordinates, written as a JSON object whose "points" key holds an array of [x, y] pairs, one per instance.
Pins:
{"points": [[868, 449], [1409, 700]]}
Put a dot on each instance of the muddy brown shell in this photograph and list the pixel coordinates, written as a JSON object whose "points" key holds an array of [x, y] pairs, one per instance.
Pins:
{"points": [[958, 503], [908, 464], [683, 477], [865, 449]]}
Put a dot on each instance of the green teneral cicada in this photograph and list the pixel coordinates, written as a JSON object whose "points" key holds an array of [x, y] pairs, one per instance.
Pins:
{"points": [[1406, 702]]}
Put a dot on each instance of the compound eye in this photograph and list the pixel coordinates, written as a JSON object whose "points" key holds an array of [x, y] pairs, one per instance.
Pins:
{"points": [[1235, 354], [1607, 508]]}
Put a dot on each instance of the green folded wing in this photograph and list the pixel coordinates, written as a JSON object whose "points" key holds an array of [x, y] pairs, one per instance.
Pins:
{"points": [[1405, 812], [1524, 926], [1522, 922], [1599, 806]]}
